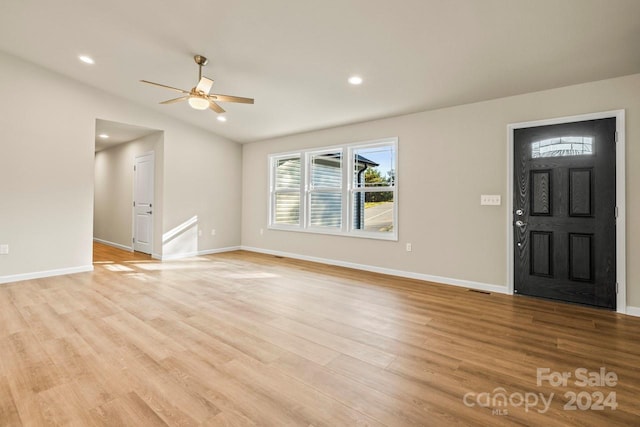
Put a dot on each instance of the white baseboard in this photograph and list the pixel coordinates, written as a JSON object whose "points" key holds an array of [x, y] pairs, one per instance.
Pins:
{"points": [[220, 250], [400, 273], [633, 311], [196, 253], [43, 274], [115, 245]]}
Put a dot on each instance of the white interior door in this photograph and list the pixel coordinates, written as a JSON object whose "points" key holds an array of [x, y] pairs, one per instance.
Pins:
{"points": [[143, 171]]}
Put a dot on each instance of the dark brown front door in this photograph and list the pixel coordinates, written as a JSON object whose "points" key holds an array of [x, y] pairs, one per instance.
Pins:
{"points": [[564, 212]]}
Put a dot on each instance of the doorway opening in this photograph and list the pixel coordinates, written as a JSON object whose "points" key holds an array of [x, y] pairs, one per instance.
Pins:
{"points": [[128, 187], [566, 209]]}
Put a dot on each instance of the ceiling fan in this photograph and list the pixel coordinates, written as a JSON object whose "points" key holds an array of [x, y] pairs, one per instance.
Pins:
{"points": [[199, 96]]}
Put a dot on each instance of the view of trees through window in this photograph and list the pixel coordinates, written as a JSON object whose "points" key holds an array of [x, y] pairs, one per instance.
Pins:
{"points": [[374, 188], [309, 192]]}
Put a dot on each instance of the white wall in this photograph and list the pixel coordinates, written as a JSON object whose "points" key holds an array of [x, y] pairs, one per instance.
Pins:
{"points": [[47, 170], [447, 159], [206, 182], [113, 191]]}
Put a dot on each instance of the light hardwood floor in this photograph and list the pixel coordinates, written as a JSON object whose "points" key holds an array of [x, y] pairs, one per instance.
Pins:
{"points": [[254, 340]]}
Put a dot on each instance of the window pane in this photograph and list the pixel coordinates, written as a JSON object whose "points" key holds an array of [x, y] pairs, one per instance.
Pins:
{"points": [[562, 147], [326, 209], [287, 174], [287, 208], [374, 166], [373, 211], [326, 170]]}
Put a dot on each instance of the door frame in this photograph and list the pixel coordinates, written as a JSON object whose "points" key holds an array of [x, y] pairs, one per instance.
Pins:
{"points": [[153, 196], [621, 272]]}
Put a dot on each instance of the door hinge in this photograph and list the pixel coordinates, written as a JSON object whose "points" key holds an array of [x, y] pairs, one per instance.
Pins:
{"points": [[134, 166], [616, 212], [616, 287], [134, 239], [616, 136], [134, 203]]}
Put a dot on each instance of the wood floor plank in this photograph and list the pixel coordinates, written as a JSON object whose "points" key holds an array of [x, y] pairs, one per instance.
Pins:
{"points": [[310, 405], [303, 346], [384, 408], [11, 320], [247, 339], [143, 335], [65, 405], [128, 410], [230, 419], [8, 409], [27, 372], [72, 356], [258, 348], [231, 393], [353, 348]]}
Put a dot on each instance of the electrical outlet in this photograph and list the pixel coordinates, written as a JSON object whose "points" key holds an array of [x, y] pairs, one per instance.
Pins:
{"points": [[200, 233], [261, 231], [408, 247], [213, 232], [4, 249], [490, 200]]}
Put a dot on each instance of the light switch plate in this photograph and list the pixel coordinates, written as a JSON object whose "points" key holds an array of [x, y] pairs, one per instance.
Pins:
{"points": [[4, 249], [490, 200]]}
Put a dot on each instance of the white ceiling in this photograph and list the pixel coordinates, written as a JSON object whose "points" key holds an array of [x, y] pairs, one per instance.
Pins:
{"points": [[294, 56], [118, 133]]}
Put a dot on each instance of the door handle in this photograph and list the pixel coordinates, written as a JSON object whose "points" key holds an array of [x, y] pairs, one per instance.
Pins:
{"points": [[149, 212], [520, 224]]}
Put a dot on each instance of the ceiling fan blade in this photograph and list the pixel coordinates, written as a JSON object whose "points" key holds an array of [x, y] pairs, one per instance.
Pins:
{"points": [[165, 86], [171, 101], [229, 98], [215, 107], [204, 85]]}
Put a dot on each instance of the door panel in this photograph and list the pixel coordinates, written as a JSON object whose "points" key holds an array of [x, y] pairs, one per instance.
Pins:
{"points": [[143, 203], [580, 190], [581, 260], [541, 192], [542, 253], [564, 212]]}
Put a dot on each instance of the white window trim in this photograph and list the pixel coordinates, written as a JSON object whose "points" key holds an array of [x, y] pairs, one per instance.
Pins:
{"points": [[347, 191]]}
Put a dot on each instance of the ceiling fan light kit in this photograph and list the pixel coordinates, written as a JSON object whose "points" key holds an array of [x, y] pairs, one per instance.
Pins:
{"points": [[199, 97], [198, 103]]}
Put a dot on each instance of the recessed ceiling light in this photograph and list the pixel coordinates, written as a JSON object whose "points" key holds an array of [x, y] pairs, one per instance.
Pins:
{"points": [[86, 59], [222, 119], [103, 136], [355, 80]]}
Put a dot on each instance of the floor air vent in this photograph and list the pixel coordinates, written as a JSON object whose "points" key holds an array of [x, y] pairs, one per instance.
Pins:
{"points": [[479, 292]]}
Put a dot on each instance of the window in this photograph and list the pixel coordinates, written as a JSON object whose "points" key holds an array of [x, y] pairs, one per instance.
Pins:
{"points": [[325, 189], [373, 188], [562, 147], [345, 190], [286, 193]]}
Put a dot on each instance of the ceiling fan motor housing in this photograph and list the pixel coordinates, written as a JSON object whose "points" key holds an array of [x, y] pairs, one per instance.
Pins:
{"points": [[201, 60]]}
